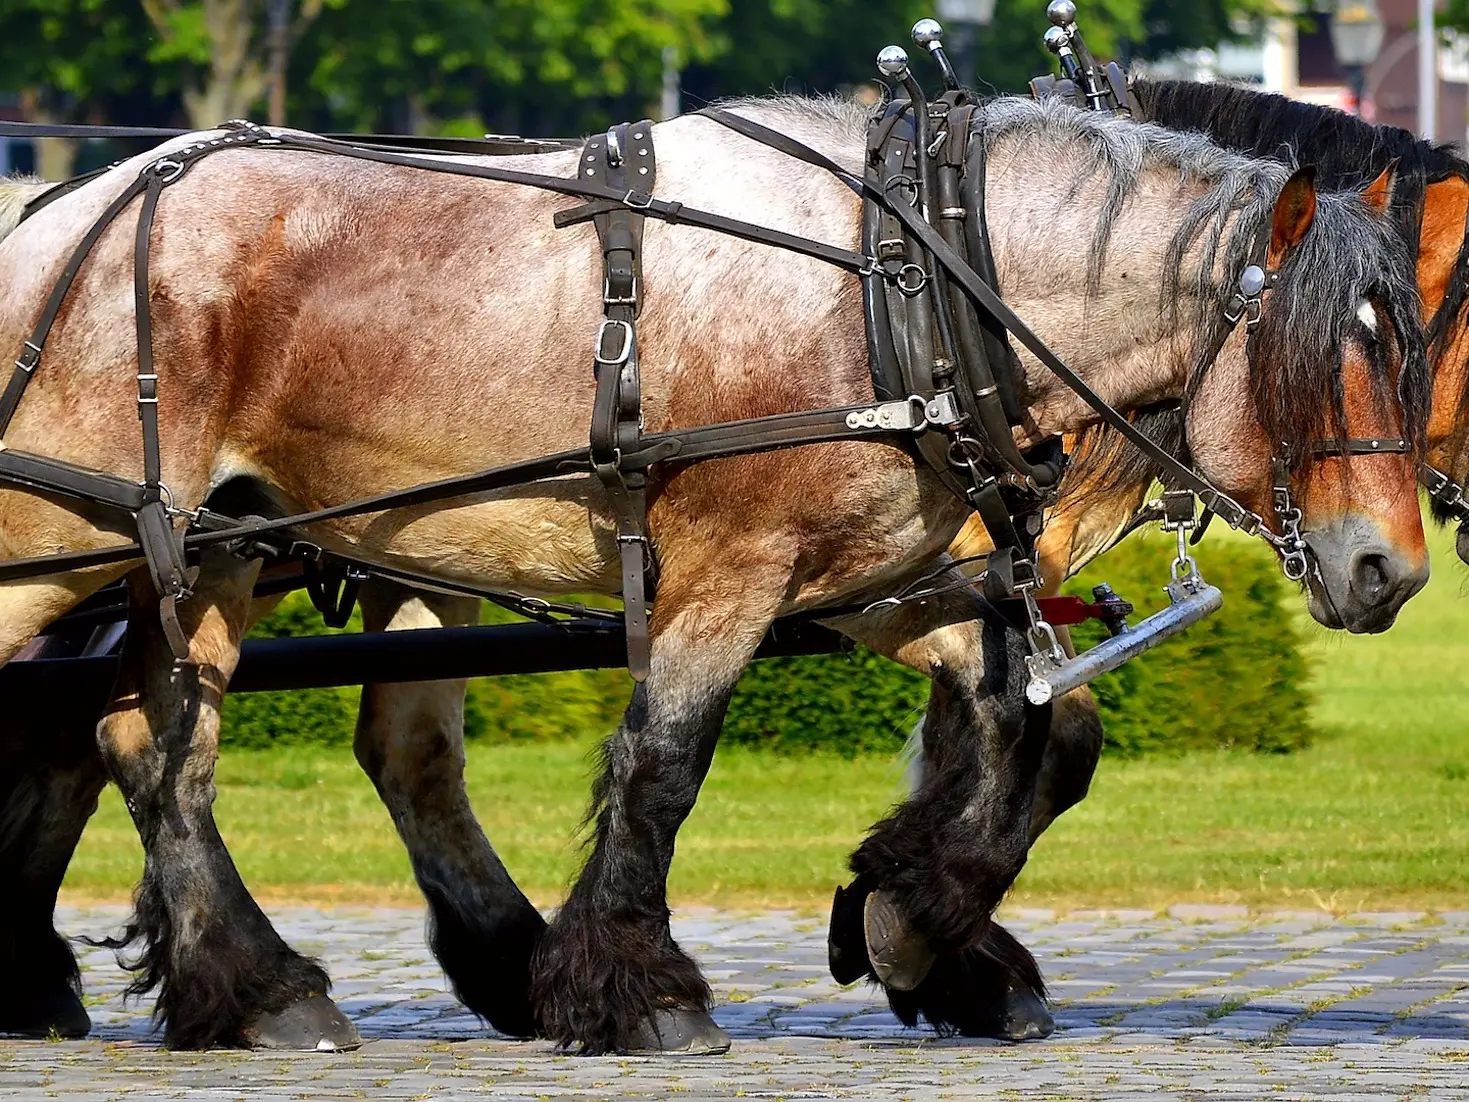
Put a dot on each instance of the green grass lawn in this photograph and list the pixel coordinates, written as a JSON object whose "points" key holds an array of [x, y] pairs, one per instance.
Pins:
{"points": [[1374, 815]]}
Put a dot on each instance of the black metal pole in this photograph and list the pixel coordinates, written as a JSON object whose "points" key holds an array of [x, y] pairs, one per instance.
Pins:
{"points": [[436, 654]]}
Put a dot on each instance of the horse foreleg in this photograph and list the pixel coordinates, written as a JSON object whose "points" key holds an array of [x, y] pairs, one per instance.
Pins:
{"points": [[1072, 752], [918, 916], [608, 976], [223, 974], [410, 742]]}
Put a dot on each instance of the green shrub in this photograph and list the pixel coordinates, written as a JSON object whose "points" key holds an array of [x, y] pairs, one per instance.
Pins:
{"points": [[849, 703], [1237, 679], [306, 717]]}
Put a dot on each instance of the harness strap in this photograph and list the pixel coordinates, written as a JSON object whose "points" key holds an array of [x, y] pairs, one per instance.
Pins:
{"points": [[624, 157], [30, 357], [883, 423], [162, 545]]}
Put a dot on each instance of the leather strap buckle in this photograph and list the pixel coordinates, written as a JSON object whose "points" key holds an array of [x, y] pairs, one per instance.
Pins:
{"points": [[609, 298], [624, 353], [29, 357]]}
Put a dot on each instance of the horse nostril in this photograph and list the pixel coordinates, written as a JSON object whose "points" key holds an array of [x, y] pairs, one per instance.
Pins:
{"points": [[1372, 577]]}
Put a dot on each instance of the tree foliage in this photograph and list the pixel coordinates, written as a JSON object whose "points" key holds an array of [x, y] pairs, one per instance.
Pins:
{"points": [[536, 66]]}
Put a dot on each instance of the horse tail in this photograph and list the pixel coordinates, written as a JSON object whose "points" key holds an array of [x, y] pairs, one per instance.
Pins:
{"points": [[16, 193]]}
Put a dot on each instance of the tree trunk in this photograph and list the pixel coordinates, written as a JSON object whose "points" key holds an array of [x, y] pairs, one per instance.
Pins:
{"points": [[56, 158], [236, 77]]}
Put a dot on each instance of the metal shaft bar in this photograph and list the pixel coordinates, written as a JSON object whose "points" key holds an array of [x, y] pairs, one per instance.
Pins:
{"points": [[1187, 609]]}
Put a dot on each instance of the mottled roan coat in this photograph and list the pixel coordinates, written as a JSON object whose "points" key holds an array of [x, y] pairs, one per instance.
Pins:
{"points": [[327, 329]]}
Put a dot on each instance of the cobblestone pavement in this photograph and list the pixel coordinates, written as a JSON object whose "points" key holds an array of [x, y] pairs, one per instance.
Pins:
{"points": [[1202, 1003]]}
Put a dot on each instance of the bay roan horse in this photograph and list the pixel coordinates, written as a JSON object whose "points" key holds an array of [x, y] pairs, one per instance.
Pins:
{"points": [[326, 329], [1428, 205]]}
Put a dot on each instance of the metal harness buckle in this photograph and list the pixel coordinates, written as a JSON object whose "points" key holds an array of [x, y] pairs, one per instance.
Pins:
{"points": [[624, 353], [609, 299], [29, 357], [167, 170]]}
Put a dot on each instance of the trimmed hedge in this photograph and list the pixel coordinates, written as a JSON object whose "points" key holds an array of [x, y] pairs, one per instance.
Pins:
{"points": [[1239, 679]]}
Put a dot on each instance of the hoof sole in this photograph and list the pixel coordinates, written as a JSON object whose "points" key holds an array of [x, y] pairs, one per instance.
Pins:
{"points": [[55, 1013], [311, 1025], [678, 1033], [900, 958]]}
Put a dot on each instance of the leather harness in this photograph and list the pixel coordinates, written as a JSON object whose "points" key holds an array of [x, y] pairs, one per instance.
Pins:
{"points": [[946, 380]]}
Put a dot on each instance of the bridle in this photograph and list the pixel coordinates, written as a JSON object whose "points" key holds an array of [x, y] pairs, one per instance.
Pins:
{"points": [[1105, 89]]}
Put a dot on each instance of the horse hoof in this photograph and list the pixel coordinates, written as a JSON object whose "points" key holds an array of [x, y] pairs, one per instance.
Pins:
{"points": [[311, 1025], [54, 1013], [1022, 1016], [678, 1032], [900, 958], [846, 944]]}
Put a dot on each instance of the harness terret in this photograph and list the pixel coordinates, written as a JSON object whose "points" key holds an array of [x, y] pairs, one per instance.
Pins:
{"points": [[946, 380]]}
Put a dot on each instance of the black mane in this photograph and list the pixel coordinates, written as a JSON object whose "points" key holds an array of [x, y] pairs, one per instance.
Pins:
{"points": [[1347, 153]]}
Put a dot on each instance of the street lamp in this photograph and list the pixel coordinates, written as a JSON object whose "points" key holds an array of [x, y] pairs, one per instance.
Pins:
{"points": [[966, 17], [1356, 37]]}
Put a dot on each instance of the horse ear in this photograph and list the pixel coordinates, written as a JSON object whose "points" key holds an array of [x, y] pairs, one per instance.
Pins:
{"points": [[1295, 210], [1379, 192]]}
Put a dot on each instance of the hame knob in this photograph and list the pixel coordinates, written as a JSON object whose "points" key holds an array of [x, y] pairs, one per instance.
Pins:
{"points": [[928, 33], [1061, 13], [1056, 40], [893, 62]]}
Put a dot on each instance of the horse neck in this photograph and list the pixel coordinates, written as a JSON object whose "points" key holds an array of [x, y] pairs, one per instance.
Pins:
{"points": [[1448, 426], [834, 128], [1118, 333]]}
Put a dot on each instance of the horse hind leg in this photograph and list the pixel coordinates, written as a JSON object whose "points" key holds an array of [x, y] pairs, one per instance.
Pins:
{"points": [[410, 742], [50, 778], [223, 974]]}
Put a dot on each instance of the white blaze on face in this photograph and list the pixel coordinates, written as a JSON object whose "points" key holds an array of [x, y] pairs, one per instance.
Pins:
{"points": [[1368, 315]]}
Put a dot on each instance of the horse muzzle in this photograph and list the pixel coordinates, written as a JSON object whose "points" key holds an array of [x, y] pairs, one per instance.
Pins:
{"points": [[1360, 580]]}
